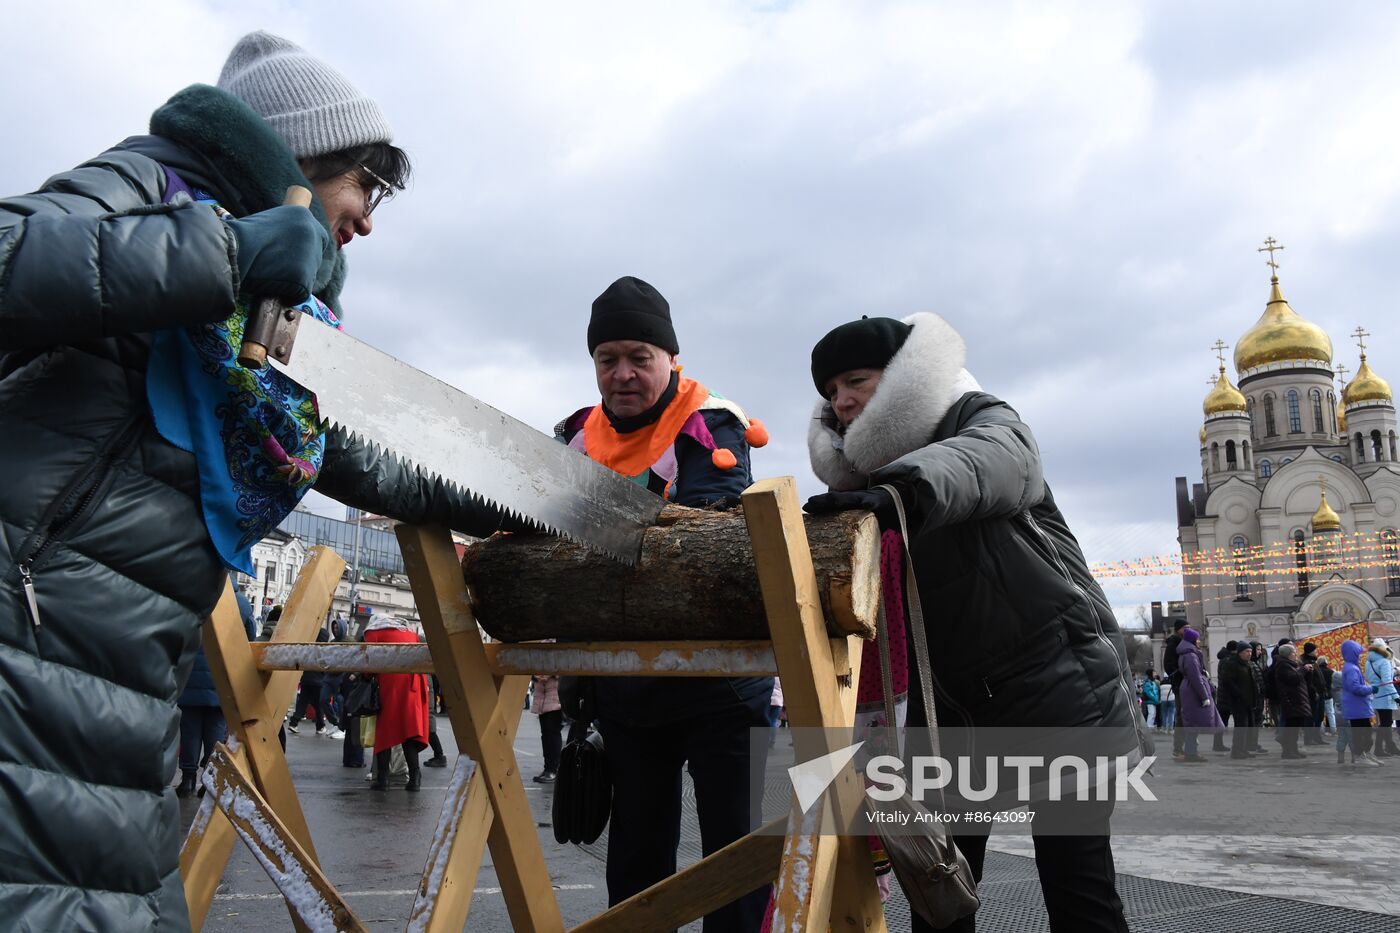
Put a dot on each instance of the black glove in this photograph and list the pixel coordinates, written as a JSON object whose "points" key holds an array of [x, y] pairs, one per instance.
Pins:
{"points": [[279, 252], [873, 500]]}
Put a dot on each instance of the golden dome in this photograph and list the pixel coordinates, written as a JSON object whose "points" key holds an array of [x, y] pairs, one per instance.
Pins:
{"points": [[1325, 519], [1224, 397], [1203, 435], [1280, 334], [1341, 418], [1367, 386]]}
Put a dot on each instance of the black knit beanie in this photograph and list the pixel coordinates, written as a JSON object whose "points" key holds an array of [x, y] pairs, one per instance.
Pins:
{"points": [[869, 343], [631, 309]]}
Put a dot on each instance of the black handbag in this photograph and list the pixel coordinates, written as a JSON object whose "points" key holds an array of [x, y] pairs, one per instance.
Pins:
{"points": [[363, 698], [583, 788]]}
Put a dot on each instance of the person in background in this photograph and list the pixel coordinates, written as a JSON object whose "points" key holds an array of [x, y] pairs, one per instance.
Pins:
{"points": [[403, 702], [309, 694], [1237, 687], [202, 723], [1222, 702], [1195, 703], [775, 710], [1170, 666], [352, 755], [439, 759], [545, 704], [1357, 698], [1151, 697], [1380, 673], [1344, 739], [1312, 731], [1329, 712], [1256, 669], [1291, 680], [1167, 722]]}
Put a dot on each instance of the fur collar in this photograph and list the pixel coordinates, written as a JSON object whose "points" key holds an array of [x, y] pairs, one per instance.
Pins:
{"points": [[916, 390], [248, 153]]}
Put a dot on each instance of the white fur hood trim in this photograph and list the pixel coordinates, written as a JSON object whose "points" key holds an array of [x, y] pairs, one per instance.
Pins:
{"points": [[916, 390]]}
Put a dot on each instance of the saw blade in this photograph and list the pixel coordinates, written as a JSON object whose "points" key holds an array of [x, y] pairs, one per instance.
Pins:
{"points": [[447, 434]]}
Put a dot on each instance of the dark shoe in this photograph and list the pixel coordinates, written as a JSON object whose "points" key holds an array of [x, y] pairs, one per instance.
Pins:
{"points": [[1293, 755], [1342, 757], [1259, 751], [1239, 756], [1195, 759], [1178, 756], [380, 783], [415, 781], [545, 777], [291, 727], [437, 761], [186, 787]]}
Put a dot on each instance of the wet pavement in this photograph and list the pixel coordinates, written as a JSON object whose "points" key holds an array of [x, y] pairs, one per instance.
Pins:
{"points": [[1252, 875]]}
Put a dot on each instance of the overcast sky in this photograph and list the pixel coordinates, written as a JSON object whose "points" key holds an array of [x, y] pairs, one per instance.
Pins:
{"points": [[1078, 188]]}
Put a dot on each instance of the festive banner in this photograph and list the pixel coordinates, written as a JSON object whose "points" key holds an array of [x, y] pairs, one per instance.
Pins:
{"points": [[1329, 643]]}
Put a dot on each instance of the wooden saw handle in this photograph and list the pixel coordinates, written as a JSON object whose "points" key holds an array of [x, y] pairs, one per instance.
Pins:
{"points": [[253, 353]]}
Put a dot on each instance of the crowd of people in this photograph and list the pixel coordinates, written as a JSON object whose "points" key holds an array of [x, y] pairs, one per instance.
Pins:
{"points": [[152, 462], [1302, 698]]}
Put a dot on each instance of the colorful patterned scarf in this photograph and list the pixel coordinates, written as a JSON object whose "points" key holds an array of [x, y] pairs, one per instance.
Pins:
{"points": [[255, 434]]}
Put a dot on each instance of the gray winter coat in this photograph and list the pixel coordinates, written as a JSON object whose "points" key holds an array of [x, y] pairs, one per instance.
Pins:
{"points": [[1019, 632], [100, 520]]}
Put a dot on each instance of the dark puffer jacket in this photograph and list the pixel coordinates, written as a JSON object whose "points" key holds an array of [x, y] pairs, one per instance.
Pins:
{"points": [[102, 518], [1019, 632]]}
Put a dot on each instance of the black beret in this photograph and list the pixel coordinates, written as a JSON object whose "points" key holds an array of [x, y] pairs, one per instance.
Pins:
{"points": [[869, 343]]}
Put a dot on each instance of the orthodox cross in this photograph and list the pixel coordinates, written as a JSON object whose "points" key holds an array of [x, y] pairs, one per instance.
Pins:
{"points": [[1360, 334], [1271, 246], [1341, 372], [1220, 347]]}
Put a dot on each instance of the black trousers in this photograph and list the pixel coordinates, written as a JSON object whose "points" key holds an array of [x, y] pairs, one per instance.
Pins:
{"points": [[1385, 731], [1076, 876], [1243, 740], [1293, 724], [552, 738], [645, 827], [1360, 736], [309, 694], [410, 754], [201, 728], [352, 753]]}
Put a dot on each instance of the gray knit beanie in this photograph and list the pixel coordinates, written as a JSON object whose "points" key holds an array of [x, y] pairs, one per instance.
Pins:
{"points": [[310, 104]]}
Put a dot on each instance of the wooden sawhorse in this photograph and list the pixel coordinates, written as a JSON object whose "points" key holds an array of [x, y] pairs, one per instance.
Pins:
{"points": [[823, 880]]}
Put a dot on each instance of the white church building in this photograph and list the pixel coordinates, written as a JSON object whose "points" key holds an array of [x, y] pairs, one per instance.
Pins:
{"points": [[1293, 528]]}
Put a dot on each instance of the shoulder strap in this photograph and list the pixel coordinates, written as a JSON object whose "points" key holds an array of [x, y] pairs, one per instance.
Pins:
{"points": [[916, 629]]}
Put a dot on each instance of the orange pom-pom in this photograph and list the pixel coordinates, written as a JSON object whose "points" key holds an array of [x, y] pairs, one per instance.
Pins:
{"points": [[757, 434], [724, 459]]}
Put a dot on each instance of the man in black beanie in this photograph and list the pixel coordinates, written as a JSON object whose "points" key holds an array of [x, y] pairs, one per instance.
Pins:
{"points": [[682, 441]]}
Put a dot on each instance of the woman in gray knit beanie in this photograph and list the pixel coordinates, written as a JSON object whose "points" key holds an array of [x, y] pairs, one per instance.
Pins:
{"points": [[338, 135], [142, 462]]}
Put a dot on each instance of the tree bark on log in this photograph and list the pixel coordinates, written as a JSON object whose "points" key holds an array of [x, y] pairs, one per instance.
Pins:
{"points": [[695, 580]]}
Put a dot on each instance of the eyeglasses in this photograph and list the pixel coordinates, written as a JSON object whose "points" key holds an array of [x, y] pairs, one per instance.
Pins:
{"points": [[377, 192]]}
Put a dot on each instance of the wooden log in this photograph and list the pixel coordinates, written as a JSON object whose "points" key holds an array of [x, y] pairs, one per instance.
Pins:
{"points": [[695, 580]]}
